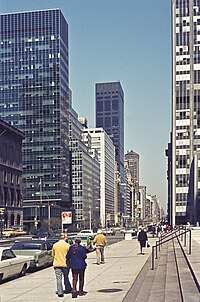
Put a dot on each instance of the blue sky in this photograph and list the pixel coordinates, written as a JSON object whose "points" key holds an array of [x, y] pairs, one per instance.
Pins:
{"points": [[127, 41]]}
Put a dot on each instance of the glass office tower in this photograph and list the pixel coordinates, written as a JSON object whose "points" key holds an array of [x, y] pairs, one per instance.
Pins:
{"points": [[34, 97], [185, 162], [110, 116]]}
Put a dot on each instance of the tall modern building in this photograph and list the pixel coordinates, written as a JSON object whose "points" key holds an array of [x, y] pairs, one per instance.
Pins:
{"points": [[101, 142], [85, 177], [185, 175], [34, 97], [110, 116]]}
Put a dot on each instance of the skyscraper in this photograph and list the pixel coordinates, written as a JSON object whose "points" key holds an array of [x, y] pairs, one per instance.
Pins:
{"points": [[185, 162], [34, 97], [110, 116]]}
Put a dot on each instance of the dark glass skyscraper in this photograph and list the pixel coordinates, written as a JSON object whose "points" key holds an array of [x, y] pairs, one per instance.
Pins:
{"points": [[110, 116], [34, 97]]}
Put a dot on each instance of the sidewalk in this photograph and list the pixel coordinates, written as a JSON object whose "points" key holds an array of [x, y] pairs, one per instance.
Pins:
{"points": [[107, 282]]}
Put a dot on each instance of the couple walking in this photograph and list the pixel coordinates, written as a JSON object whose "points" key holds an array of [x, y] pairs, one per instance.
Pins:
{"points": [[64, 258]]}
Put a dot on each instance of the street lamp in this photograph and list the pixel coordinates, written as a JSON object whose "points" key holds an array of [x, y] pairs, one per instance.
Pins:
{"points": [[48, 206]]}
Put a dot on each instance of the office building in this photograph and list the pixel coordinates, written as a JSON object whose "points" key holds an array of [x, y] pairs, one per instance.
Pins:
{"points": [[101, 142], [185, 154], [34, 97], [110, 116], [85, 177]]}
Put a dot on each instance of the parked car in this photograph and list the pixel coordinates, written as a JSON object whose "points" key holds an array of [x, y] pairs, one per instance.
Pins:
{"points": [[110, 231], [131, 230], [12, 265], [40, 250], [42, 235], [89, 233], [53, 240], [85, 241]]}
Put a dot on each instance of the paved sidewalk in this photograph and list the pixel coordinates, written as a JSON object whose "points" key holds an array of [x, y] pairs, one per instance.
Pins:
{"points": [[107, 282]]}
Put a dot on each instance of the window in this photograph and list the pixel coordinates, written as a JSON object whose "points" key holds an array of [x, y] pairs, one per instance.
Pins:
{"points": [[99, 105], [114, 104], [107, 105], [108, 122]]}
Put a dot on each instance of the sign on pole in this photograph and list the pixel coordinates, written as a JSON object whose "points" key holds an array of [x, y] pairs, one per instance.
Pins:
{"points": [[67, 217]]}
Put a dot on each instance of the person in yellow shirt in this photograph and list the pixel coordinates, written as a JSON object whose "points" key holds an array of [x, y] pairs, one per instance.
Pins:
{"points": [[100, 241], [59, 253]]}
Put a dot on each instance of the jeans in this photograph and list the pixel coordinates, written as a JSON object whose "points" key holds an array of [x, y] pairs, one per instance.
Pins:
{"points": [[100, 254], [59, 271]]}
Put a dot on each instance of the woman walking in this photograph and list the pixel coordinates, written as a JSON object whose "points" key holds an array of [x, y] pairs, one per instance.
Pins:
{"points": [[76, 258], [142, 238]]}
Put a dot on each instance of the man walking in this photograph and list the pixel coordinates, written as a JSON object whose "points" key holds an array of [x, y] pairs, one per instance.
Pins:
{"points": [[100, 241], [59, 253]]}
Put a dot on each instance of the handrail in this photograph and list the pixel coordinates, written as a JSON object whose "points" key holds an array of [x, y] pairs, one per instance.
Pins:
{"points": [[161, 241]]}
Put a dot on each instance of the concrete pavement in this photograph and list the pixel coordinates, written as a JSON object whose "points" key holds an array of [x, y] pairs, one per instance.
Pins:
{"points": [[107, 282]]}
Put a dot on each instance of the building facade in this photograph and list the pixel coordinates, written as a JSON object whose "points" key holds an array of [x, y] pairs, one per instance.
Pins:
{"points": [[110, 116], [85, 178], [101, 142], [10, 176], [185, 111], [34, 97]]}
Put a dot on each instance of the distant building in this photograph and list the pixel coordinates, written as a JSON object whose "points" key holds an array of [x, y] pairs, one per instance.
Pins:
{"points": [[35, 97], [132, 161], [10, 176], [85, 177], [101, 142], [185, 162], [110, 116]]}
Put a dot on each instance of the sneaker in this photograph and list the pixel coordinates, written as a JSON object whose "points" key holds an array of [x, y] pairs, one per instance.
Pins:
{"points": [[61, 296]]}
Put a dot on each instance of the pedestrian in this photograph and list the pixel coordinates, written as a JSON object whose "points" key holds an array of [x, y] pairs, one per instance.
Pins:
{"points": [[59, 252], [142, 238], [76, 257], [100, 241]]}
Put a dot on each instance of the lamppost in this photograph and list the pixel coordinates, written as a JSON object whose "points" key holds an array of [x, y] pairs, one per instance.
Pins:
{"points": [[41, 193]]}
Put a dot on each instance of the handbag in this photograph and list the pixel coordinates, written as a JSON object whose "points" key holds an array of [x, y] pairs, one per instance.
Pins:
{"points": [[148, 245]]}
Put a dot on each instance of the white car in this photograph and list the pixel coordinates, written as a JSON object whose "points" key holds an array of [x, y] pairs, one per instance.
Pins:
{"points": [[12, 265], [89, 233]]}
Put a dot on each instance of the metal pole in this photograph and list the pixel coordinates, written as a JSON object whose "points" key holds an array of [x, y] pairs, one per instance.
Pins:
{"points": [[156, 251], [1, 227], [49, 215], [185, 238], [90, 218], [159, 244], [190, 242], [152, 258]]}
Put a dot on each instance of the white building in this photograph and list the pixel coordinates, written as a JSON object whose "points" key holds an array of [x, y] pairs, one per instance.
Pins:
{"points": [[106, 152]]}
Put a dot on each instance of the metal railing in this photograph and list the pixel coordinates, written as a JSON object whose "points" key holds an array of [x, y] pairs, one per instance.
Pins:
{"points": [[182, 233]]}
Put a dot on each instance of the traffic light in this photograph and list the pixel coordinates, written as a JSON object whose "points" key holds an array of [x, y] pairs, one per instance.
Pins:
{"points": [[1, 211]]}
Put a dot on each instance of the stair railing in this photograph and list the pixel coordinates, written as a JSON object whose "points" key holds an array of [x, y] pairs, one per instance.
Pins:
{"points": [[168, 237]]}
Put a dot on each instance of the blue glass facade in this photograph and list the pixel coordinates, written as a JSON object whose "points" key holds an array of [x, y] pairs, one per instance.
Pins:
{"points": [[110, 116], [34, 97]]}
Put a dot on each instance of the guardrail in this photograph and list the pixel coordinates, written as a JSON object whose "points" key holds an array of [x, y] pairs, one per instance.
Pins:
{"points": [[168, 237]]}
